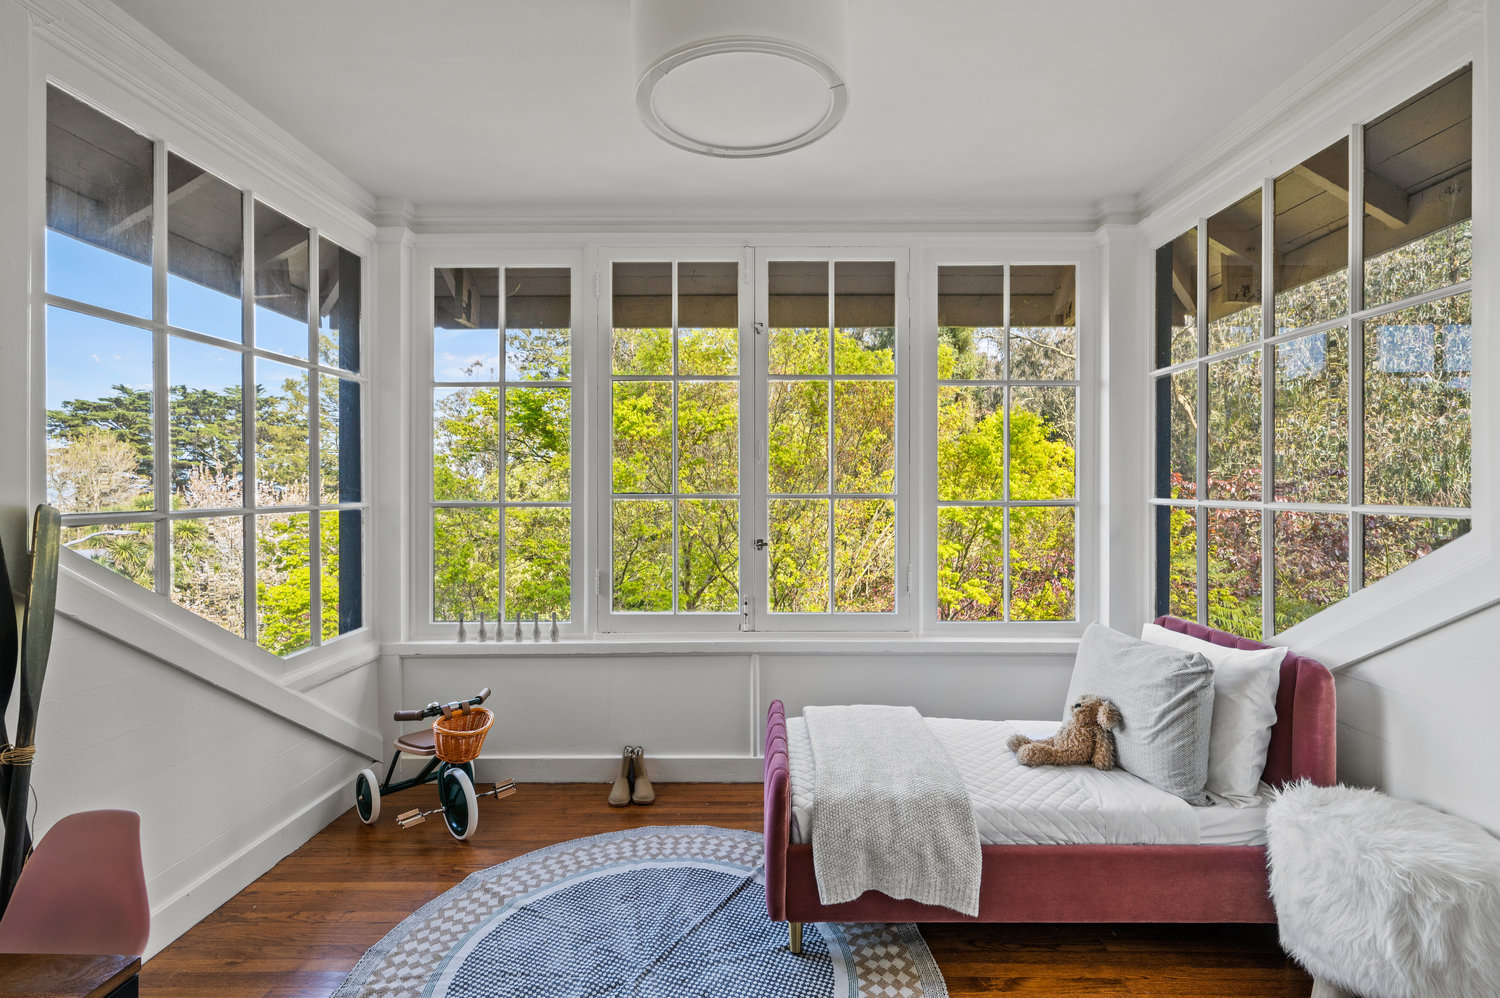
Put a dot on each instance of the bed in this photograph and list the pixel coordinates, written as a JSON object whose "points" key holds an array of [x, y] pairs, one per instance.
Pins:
{"points": [[1084, 882]]}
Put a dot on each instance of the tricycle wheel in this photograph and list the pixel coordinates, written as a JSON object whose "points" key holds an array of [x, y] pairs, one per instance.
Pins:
{"points": [[367, 796], [460, 806]]}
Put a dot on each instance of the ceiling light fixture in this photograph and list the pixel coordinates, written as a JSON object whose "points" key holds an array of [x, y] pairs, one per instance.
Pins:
{"points": [[738, 79]]}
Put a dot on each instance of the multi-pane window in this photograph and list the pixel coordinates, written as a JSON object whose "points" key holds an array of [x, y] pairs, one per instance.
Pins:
{"points": [[502, 417], [831, 436], [675, 503], [1007, 435], [1313, 427], [203, 387]]}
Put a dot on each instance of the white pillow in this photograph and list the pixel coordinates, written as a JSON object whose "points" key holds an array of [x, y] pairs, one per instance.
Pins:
{"points": [[1245, 685]]}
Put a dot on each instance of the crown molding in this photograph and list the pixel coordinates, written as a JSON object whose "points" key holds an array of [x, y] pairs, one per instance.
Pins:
{"points": [[111, 43], [1042, 218], [1334, 79]]}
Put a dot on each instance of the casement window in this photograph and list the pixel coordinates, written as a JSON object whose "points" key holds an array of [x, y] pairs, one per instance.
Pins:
{"points": [[1007, 438], [203, 387], [502, 444], [1313, 418]]}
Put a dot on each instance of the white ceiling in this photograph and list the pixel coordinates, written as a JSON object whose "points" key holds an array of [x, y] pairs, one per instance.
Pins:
{"points": [[986, 105]]}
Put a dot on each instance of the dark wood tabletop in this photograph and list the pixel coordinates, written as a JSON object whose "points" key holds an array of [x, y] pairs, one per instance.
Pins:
{"points": [[52, 975]]}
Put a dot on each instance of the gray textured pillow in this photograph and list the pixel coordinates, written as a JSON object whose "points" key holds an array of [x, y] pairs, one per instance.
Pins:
{"points": [[1166, 701]]}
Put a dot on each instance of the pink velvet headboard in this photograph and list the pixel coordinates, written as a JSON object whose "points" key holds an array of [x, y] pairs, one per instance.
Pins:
{"points": [[1303, 739]]}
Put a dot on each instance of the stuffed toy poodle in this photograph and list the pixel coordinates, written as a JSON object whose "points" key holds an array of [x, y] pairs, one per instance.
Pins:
{"points": [[1084, 738]]}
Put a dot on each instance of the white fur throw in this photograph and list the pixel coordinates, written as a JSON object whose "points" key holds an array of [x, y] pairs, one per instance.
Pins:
{"points": [[1385, 897]]}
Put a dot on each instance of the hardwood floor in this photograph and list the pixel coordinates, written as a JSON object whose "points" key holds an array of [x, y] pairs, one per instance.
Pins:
{"points": [[298, 930]]}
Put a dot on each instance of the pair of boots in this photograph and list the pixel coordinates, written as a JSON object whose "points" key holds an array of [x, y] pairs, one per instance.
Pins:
{"points": [[632, 785]]}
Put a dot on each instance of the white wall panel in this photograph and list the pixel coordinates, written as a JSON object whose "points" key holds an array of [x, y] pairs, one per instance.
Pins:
{"points": [[1418, 721], [224, 788]]}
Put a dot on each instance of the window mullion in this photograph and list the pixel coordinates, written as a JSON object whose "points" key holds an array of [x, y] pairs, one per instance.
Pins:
{"points": [[1200, 520], [248, 395], [314, 449], [1356, 376], [1005, 396], [160, 373], [1267, 407]]}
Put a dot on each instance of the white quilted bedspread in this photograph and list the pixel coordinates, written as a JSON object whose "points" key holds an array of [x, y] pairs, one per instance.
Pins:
{"points": [[1019, 805]]}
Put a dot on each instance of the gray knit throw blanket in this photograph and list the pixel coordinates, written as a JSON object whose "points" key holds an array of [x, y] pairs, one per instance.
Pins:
{"points": [[892, 813]]}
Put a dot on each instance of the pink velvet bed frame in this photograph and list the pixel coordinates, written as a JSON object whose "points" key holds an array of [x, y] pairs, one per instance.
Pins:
{"points": [[1082, 883]]}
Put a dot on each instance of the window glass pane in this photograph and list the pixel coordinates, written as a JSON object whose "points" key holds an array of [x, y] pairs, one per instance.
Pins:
{"points": [[340, 546], [1177, 435], [1177, 300], [206, 425], [466, 324], [708, 558], [338, 305], [864, 556], [1234, 456], [1234, 571], [465, 563], [1042, 576], [798, 420], [1418, 193], [338, 438], [1393, 542], [971, 563], [1312, 418], [1312, 564], [281, 435], [1177, 561], [283, 582], [708, 437], [208, 569], [538, 323], [1418, 439], [797, 304], [1043, 324], [1312, 239], [708, 319], [1234, 275], [1043, 431], [971, 443], [466, 444], [281, 283], [98, 243], [538, 562], [799, 555], [99, 395], [642, 318], [205, 252], [643, 437], [127, 549], [864, 436], [642, 555], [971, 323], [864, 316], [538, 444]]}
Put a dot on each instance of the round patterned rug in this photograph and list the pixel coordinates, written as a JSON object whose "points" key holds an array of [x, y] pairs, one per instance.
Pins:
{"points": [[662, 912]]}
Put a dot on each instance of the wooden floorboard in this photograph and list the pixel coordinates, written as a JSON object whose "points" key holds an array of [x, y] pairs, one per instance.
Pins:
{"points": [[299, 929]]}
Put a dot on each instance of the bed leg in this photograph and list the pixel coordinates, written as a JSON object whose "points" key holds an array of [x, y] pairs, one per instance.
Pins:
{"points": [[794, 930]]}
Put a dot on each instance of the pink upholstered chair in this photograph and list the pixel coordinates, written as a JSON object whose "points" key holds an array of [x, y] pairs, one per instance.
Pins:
{"points": [[82, 891]]}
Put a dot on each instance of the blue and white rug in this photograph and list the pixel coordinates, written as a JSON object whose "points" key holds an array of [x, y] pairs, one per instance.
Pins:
{"points": [[663, 912]]}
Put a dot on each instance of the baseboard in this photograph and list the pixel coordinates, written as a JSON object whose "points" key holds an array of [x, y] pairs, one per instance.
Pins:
{"points": [[174, 916], [602, 769]]}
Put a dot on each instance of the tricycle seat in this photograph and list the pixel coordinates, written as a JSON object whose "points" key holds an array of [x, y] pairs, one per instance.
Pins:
{"points": [[417, 742]]}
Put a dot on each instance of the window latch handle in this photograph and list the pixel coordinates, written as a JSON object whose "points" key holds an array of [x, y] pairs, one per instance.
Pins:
{"points": [[761, 544]]}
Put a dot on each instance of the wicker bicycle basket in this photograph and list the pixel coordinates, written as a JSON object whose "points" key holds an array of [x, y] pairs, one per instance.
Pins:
{"points": [[459, 737]]}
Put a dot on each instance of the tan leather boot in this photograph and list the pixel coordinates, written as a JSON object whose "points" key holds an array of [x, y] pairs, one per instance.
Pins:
{"points": [[619, 794], [642, 792]]}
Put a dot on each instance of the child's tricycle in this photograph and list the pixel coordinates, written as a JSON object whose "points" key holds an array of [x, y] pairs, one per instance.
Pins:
{"points": [[451, 745]]}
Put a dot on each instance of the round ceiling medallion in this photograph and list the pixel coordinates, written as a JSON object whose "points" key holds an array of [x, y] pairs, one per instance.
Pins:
{"points": [[737, 80]]}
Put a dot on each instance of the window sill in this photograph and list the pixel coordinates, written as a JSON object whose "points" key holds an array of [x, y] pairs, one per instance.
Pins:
{"points": [[736, 643]]}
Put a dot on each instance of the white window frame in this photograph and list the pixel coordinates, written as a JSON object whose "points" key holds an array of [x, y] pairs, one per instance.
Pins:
{"points": [[164, 135], [1455, 557], [1083, 256], [422, 385]]}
